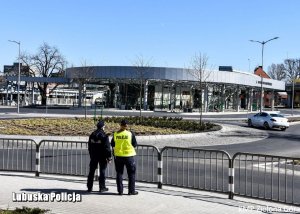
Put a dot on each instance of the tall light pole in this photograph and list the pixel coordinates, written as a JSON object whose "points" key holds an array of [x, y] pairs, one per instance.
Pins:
{"points": [[18, 101], [293, 96], [262, 66]]}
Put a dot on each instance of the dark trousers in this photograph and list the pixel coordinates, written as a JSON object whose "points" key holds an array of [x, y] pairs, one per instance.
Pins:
{"points": [[129, 162], [93, 166]]}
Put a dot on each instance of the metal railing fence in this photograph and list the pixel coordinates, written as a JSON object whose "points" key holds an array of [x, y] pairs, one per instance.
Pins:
{"points": [[72, 158], [17, 155], [64, 157], [267, 177], [196, 168]]}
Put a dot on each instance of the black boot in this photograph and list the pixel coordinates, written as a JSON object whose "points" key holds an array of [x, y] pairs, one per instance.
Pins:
{"points": [[103, 189]]}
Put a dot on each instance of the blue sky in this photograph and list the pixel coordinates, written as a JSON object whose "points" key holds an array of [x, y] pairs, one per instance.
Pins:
{"points": [[169, 32]]}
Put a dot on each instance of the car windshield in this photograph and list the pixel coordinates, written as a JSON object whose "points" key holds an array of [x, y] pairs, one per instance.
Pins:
{"points": [[276, 115]]}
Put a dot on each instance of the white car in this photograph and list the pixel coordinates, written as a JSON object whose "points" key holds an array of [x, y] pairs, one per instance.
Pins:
{"points": [[268, 121]]}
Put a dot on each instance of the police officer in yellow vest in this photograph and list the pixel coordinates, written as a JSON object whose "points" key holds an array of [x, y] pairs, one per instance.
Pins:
{"points": [[123, 144]]}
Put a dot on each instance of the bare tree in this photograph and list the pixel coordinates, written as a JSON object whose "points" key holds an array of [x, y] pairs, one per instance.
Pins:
{"points": [[277, 71], [47, 62], [83, 75], [292, 68], [142, 67], [201, 74]]}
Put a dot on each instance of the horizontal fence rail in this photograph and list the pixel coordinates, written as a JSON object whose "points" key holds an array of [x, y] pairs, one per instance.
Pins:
{"points": [[196, 168], [268, 177], [17, 155]]}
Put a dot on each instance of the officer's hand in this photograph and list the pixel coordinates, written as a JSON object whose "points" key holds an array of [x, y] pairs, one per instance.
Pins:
{"points": [[108, 160]]}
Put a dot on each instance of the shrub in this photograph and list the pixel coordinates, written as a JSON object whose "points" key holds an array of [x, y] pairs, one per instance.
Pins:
{"points": [[166, 122]]}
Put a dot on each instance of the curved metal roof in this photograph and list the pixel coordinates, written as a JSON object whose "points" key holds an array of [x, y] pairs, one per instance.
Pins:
{"points": [[172, 74]]}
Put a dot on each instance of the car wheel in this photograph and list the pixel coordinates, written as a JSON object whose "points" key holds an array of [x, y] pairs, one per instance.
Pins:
{"points": [[266, 125], [283, 129], [250, 123]]}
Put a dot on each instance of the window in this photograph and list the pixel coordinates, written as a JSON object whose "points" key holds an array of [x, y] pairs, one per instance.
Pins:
{"points": [[264, 114]]}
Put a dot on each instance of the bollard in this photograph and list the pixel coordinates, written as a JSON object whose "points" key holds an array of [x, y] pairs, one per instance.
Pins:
{"points": [[159, 171], [37, 160]]}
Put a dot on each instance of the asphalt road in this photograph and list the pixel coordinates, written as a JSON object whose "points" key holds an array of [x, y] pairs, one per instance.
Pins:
{"points": [[110, 112], [6, 113], [280, 143]]}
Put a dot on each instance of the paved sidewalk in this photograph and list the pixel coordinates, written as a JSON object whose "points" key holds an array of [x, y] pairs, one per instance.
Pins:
{"points": [[150, 199]]}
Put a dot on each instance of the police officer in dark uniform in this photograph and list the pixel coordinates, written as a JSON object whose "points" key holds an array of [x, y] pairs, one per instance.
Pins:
{"points": [[100, 153], [124, 143]]}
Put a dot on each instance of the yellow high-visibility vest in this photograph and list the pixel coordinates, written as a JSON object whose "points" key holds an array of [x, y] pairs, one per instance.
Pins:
{"points": [[123, 146]]}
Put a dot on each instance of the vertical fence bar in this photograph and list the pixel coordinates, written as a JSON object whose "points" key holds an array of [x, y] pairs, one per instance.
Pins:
{"points": [[188, 169], [76, 155], [182, 166], [223, 172], [210, 170], [265, 177], [285, 186], [194, 171], [278, 179], [272, 177], [12, 153], [199, 170], [23, 156], [293, 168], [204, 170], [251, 175], [7, 163], [258, 158], [167, 164], [17, 154], [177, 162]]}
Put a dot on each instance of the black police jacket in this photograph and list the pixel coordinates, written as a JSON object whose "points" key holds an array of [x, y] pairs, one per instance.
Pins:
{"points": [[99, 146]]}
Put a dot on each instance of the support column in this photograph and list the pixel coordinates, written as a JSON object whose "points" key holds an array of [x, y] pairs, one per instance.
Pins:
{"points": [[173, 97], [272, 100], [162, 97], [206, 99], [7, 93], [209, 98], [116, 92], [238, 100], [11, 96], [262, 99], [180, 102], [191, 101], [32, 93], [250, 104], [223, 98], [146, 95]]}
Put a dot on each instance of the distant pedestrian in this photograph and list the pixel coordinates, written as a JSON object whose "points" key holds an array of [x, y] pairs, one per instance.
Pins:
{"points": [[124, 143], [100, 153]]}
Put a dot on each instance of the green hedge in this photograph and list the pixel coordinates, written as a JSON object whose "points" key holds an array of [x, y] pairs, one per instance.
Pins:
{"points": [[167, 122]]}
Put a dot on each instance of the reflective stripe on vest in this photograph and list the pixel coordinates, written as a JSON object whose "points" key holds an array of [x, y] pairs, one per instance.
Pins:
{"points": [[123, 146]]}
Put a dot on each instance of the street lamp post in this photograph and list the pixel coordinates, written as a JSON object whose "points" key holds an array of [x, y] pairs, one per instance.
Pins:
{"points": [[262, 66], [18, 101]]}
